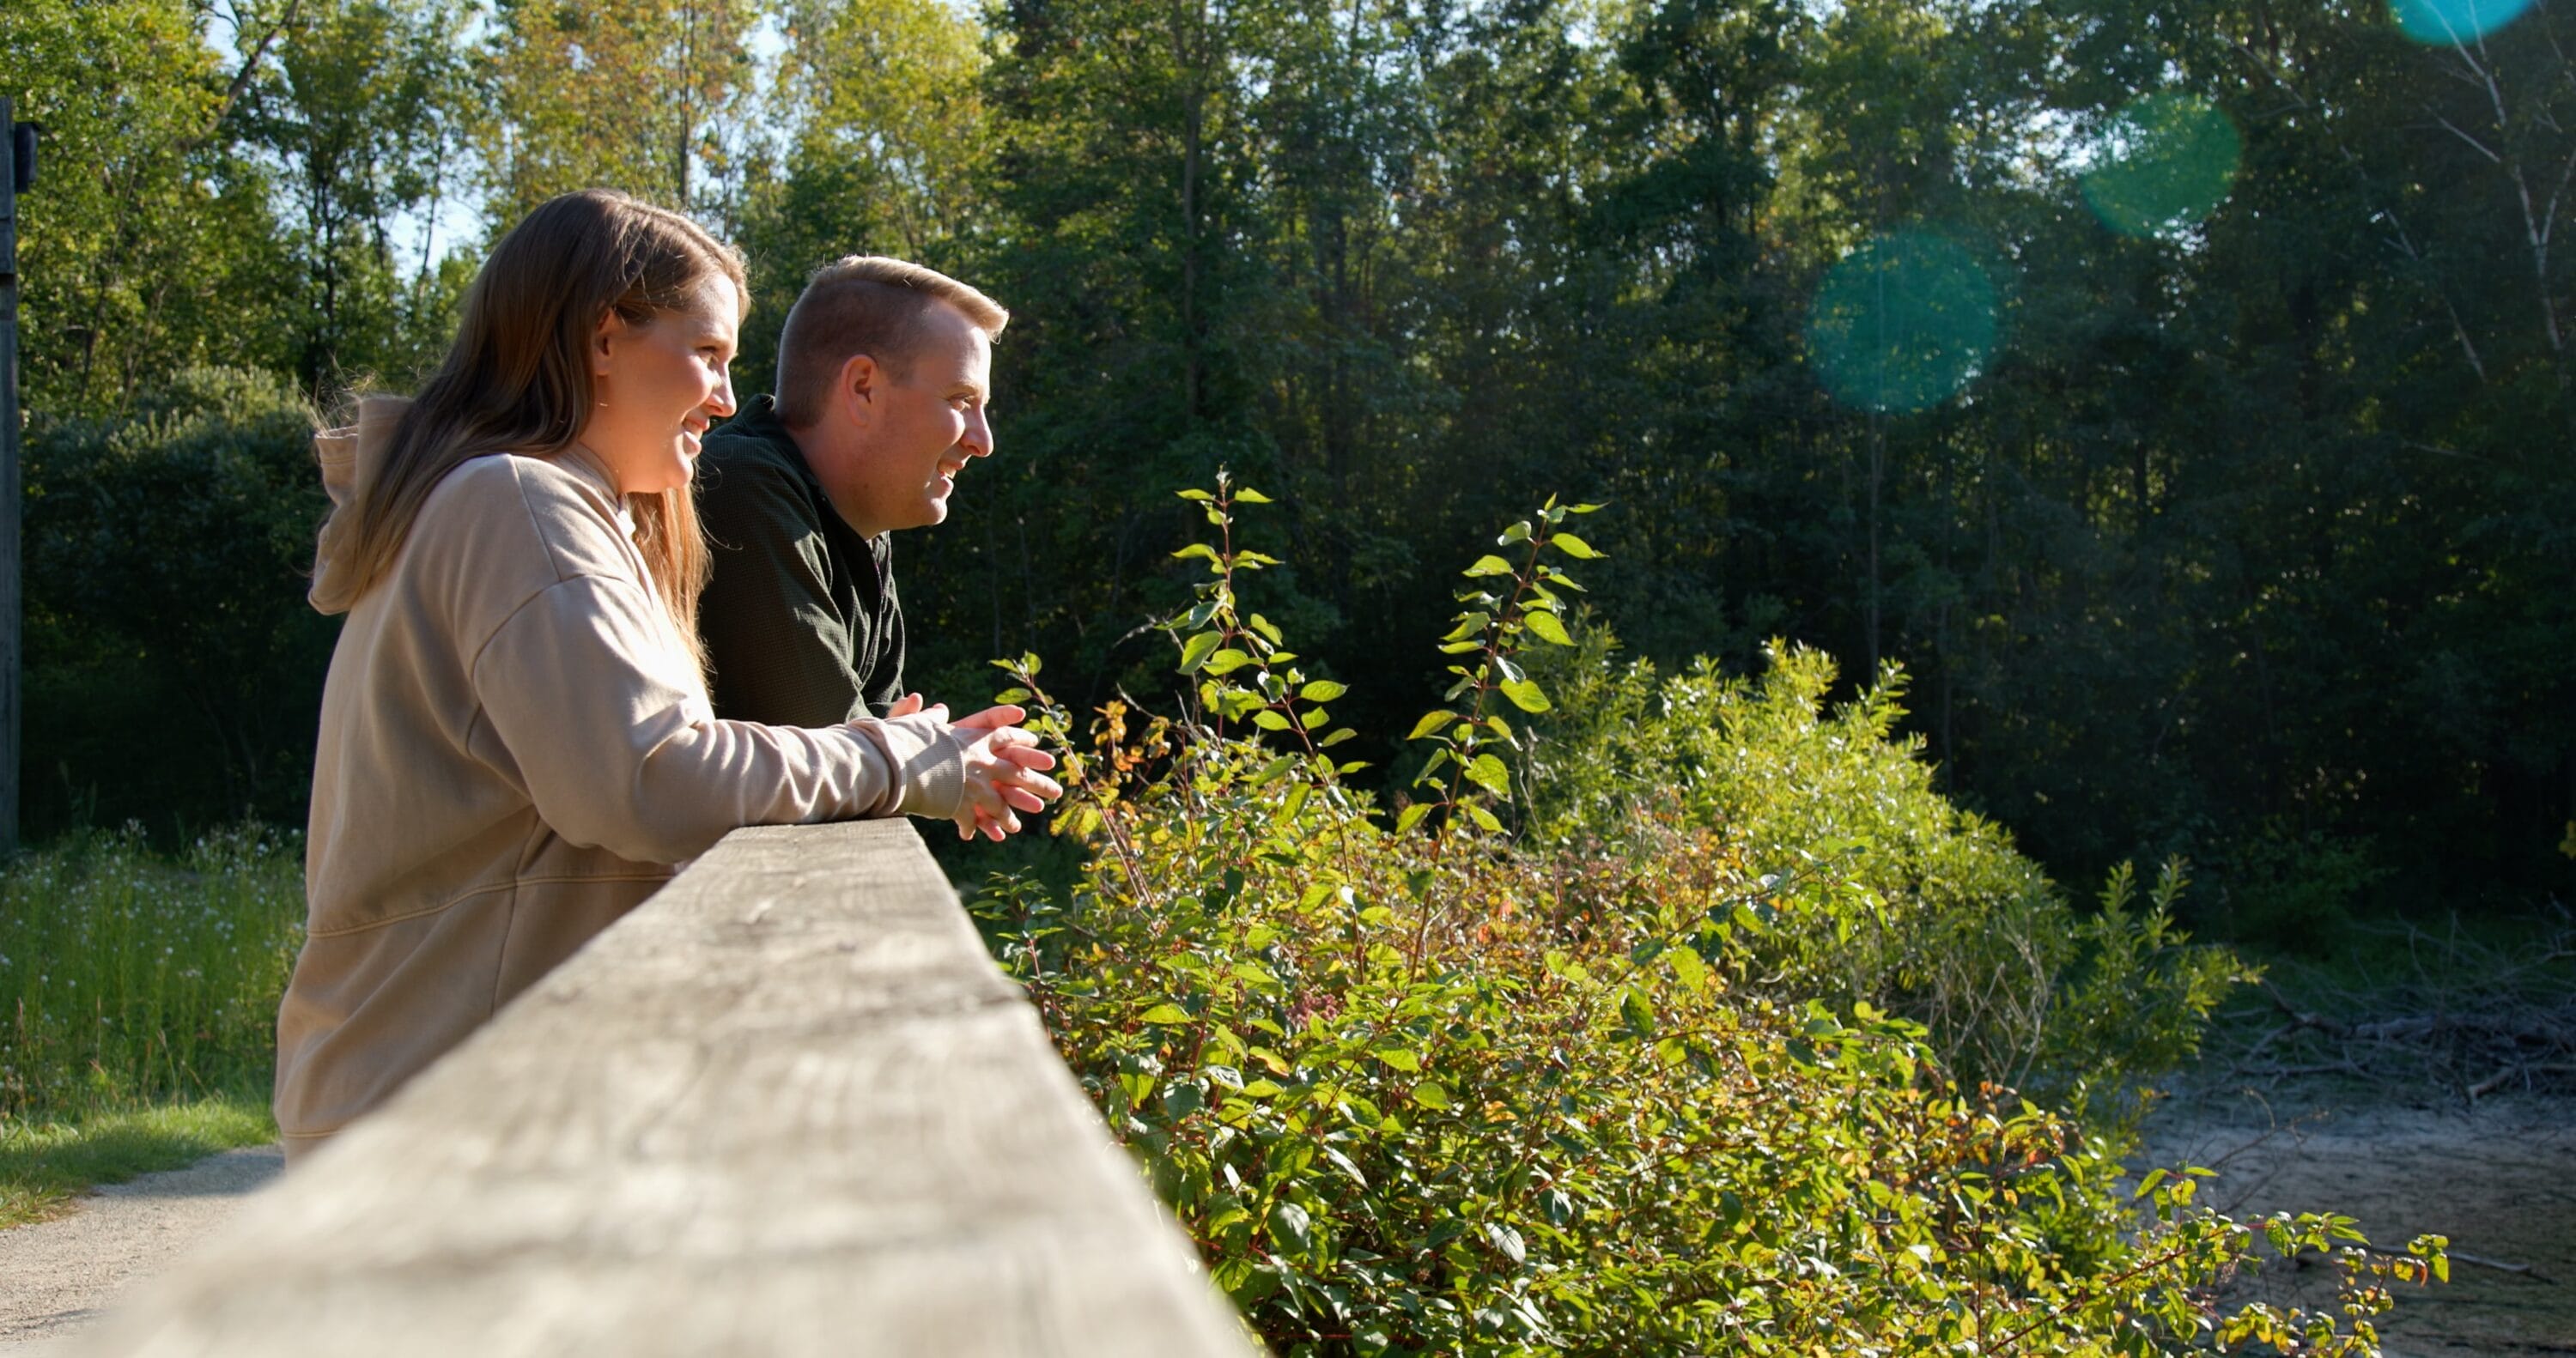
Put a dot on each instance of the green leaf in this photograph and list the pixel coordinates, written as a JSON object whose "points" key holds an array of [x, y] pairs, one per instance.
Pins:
{"points": [[1546, 628], [1582, 509], [1296, 801], [1196, 650], [1266, 628], [1411, 816], [1194, 495], [1227, 661], [1518, 532], [1573, 546], [1268, 720], [1525, 695], [1315, 716], [1196, 549], [1636, 1013], [1289, 1224], [1431, 1095], [1167, 1013], [1271, 771], [1322, 691], [1335, 738], [1487, 772], [1489, 565], [1431, 721], [1247, 495], [1484, 819], [1012, 695], [1469, 624], [1400, 1059]]}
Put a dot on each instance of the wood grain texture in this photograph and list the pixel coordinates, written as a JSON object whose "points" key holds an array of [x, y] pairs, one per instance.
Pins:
{"points": [[787, 1107]]}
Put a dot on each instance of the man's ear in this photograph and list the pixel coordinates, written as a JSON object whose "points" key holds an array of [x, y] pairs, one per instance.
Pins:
{"points": [[857, 389]]}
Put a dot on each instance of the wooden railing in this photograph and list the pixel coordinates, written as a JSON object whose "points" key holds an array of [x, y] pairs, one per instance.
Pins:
{"points": [[787, 1107]]}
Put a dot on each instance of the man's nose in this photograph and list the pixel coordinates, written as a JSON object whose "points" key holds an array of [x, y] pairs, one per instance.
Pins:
{"points": [[978, 439]]}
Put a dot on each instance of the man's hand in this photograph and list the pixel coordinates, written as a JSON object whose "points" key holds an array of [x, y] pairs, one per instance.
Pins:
{"points": [[1005, 769]]}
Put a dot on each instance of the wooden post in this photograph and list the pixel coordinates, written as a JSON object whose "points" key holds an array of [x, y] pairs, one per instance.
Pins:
{"points": [[787, 1108], [11, 601]]}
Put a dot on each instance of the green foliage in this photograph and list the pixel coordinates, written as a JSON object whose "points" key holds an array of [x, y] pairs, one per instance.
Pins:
{"points": [[1881, 891], [1415, 1088], [1397, 260], [2295, 891], [148, 243], [174, 668], [130, 977]]}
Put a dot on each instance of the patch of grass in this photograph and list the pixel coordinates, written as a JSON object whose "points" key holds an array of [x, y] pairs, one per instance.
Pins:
{"points": [[43, 1165], [138, 1006], [130, 977]]}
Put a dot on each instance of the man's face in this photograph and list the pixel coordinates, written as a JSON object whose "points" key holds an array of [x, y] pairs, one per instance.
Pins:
{"points": [[917, 429]]}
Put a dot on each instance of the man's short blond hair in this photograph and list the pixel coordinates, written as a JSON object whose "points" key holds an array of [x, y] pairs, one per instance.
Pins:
{"points": [[864, 304]]}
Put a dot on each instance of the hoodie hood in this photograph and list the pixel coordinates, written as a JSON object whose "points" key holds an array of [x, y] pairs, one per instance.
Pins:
{"points": [[350, 457]]}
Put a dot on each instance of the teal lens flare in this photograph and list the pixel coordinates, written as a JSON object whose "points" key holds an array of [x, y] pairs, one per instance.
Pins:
{"points": [[2443, 22], [1901, 323], [2162, 165]]}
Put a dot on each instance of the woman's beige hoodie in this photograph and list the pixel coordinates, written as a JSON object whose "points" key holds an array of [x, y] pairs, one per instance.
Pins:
{"points": [[515, 747]]}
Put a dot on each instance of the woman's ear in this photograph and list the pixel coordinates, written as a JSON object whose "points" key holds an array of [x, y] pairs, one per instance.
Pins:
{"points": [[612, 327]]}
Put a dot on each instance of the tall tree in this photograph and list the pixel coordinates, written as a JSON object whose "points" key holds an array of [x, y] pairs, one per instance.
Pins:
{"points": [[149, 245], [628, 94]]}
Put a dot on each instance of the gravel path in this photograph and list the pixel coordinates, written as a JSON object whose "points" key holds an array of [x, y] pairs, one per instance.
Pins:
{"points": [[55, 1276]]}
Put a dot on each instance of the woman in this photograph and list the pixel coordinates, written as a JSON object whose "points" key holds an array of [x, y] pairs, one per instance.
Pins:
{"points": [[516, 742]]}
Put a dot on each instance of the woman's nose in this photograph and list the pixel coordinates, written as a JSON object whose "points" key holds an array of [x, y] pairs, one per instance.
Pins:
{"points": [[722, 401]]}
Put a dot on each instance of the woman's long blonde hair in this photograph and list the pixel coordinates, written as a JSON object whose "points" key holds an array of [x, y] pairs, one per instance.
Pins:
{"points": [[518, 380]]}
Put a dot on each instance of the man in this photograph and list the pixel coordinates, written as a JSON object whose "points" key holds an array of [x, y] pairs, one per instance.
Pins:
{"points": [[884, 370]]}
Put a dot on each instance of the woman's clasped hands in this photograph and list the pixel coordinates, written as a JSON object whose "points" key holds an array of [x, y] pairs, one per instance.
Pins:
{"points": [[1005, 768]]}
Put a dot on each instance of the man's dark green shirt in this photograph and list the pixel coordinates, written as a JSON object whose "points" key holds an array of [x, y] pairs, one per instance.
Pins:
{"points": [[800, 619]]}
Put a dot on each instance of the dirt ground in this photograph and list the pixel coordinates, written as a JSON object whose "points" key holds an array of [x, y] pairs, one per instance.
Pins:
{"points": [[55, 1276], [2498, 1179]]}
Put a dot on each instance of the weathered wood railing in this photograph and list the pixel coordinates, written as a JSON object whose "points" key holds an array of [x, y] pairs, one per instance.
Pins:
{"points": [[787, 1107]]}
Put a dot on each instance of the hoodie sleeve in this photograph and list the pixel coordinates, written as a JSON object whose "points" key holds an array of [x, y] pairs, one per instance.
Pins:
{"points": [[586, 696]]}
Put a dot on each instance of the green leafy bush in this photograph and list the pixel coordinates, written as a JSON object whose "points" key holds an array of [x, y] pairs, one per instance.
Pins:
{"points": [[1416, 1088], [174, 671], [1887, 892]]}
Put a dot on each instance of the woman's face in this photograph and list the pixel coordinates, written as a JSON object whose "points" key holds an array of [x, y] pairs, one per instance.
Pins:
{"points": [[659, 384]]}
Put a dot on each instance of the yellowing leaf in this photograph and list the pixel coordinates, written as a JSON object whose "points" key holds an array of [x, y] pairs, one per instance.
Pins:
{"points": [[1573, 546], [1525, 695], [1431, 721]]}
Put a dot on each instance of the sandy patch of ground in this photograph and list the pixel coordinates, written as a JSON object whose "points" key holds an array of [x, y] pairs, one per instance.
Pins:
{"points": [[55, 1276], [2499, 1180]]}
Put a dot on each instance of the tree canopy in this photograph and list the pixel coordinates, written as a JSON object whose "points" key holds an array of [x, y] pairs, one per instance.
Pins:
{"points": [[2178, 392]]}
